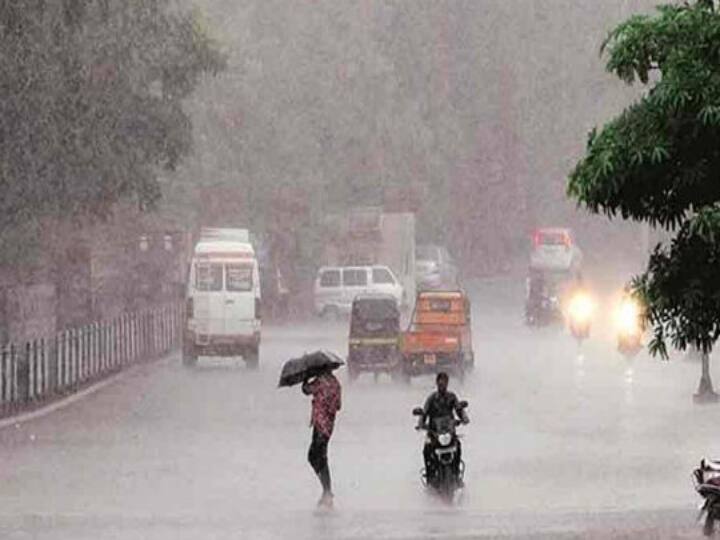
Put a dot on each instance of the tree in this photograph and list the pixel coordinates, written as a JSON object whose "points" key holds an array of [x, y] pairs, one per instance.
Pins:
{"points": [[91, 104], [658, 162]]}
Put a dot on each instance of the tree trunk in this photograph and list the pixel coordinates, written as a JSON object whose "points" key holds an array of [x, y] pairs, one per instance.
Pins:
{"points": [[706, 392]]}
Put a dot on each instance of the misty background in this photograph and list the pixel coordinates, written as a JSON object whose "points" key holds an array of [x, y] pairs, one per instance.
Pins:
{"points": [[470, 113]]}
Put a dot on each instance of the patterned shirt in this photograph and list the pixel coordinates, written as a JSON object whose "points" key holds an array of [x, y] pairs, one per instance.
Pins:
{"points": [[326, 402]]}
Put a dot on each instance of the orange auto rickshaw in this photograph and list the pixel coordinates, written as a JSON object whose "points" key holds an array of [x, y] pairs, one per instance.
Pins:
{"points": [[439, 337]]}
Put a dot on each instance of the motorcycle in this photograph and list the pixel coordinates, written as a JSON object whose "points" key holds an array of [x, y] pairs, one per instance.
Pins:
{"points": [[446, 469], [546, 312], [629, 328], [707, 483], [580, 312]]}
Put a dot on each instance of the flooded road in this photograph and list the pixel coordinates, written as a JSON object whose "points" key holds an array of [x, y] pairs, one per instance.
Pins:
{"points": [[562, 443]]}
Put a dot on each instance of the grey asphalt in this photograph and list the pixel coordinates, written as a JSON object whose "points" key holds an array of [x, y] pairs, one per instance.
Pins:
{"points": [[564, 443]]}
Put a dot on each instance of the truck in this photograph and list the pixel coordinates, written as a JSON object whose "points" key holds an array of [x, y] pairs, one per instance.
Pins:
{"points": [[369, 236]]}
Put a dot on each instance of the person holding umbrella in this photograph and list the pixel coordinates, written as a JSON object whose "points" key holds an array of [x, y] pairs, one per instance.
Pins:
{"points": [[318, 381], [326, 395]]}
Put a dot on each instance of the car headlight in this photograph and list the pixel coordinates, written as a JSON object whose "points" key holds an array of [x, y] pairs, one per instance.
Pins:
{"points": [[444, 439]]}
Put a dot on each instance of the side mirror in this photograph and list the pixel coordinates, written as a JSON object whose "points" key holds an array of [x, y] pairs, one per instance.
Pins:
{"points": [[463, 404], [417, 411]]}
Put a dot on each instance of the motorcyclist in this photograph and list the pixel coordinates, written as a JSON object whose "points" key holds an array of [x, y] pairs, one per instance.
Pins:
{"points": [[441, 404], [536, 293]]}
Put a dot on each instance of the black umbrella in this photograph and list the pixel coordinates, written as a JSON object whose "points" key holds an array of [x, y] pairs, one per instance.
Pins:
{"points": [[307, 366]]}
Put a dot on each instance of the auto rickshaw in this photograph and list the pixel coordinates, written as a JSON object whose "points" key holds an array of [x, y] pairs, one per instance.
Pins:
{"points": [[374, 336], [440, 335]]}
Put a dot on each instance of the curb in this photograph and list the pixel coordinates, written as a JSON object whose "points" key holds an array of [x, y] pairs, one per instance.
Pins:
{"points": [[64, 402]]}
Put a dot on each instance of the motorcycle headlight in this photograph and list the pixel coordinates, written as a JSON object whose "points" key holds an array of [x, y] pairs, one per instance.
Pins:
{"points": [[444, 439], [581, 308], [627, 318]]}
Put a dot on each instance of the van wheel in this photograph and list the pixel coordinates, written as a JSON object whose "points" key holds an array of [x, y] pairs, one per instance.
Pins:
{"points": [[252, 358]]}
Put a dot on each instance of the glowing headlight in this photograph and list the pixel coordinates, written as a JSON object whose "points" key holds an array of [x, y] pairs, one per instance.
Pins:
{"points": [[627, 318], [581, 307], [444, 439]]}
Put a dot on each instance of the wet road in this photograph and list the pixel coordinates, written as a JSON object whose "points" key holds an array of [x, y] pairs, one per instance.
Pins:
{"points": [[561, 444]]}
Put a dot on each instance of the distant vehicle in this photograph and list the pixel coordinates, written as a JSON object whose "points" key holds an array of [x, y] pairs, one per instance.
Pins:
{"points": [[223, 298], [374, 336], [630, 327], [555, 250], [435, 268], [440, 335], [580, 310], [337, 286], [544, 297], [369, 236]]}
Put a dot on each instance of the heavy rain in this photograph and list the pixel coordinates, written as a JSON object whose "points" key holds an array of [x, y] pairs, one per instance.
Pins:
{"points": [[368, 269]]}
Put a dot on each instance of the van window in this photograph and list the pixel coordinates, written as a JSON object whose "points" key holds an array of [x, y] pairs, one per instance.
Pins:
{"points": [[208, 277], [238, 278], [355, 277], [330, 278], [382, 276]]}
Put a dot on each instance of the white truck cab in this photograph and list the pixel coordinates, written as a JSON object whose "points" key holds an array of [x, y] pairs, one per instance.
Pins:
{"points": [[223, 298]]}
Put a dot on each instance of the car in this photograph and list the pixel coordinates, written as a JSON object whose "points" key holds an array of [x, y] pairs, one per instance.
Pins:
{"points": [[555, 250], [434, 268], [337, 286]]}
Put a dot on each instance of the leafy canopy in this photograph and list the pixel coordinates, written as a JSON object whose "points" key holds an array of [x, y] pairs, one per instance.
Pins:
{"points": [[658, 162], [91, 102]]}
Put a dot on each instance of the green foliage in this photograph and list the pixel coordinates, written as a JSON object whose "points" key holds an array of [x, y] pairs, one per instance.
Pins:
{"points": [[91, 102], [658, 162]]}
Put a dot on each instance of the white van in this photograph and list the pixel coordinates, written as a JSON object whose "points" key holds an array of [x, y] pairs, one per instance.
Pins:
{"points": [[223, 302], [337, 286]]}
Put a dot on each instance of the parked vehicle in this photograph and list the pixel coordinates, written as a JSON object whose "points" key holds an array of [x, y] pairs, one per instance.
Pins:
{"points": [[440, 335], [446, 474], [223, 298], [707, 484], [435, 268], [337, 286], [555, 249], [374, 336]]}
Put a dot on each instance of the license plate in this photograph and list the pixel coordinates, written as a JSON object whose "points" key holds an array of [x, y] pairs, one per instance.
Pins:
{"points": [[430, 359]]}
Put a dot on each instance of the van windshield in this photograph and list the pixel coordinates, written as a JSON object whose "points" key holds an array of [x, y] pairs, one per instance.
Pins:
{"points": [[238, 278]]}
